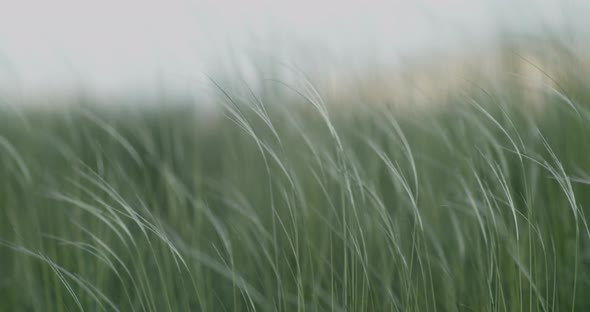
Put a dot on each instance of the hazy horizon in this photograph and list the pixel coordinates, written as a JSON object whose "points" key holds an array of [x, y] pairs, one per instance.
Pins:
{"points": [[109, 47]]}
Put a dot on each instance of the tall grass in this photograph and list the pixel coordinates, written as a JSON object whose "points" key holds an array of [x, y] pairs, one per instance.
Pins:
{"points": [[475, 204]]}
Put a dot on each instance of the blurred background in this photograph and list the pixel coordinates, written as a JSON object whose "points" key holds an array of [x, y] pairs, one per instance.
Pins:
{"points": [[116, 48]]}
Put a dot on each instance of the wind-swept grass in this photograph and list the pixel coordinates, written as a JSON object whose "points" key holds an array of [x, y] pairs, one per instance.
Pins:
{"points": [[477, 204]]}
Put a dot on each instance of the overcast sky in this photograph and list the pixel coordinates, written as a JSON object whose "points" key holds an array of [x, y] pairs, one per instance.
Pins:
{"points": [[113, 45]]}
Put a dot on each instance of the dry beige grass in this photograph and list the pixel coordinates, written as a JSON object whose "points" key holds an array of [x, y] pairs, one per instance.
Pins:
{"points": [[532, 74]]}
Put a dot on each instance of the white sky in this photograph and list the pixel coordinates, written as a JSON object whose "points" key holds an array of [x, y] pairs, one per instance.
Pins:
{"points": [[114, 45]]}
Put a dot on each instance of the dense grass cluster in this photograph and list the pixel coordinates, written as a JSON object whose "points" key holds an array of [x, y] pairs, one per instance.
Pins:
{"points": [[476, 205]]}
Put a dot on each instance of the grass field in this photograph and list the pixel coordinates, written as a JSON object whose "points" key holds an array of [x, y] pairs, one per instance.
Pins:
{"points": [[476, 204]]}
